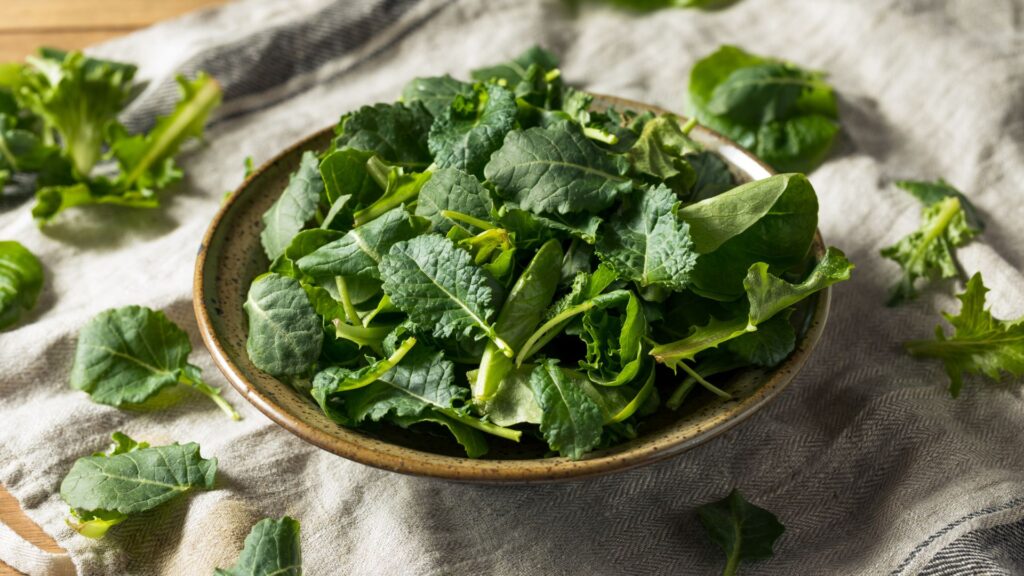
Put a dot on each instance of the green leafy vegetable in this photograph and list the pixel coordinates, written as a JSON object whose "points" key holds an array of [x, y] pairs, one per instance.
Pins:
{"points": [[571, 421], [510, 256], [438, 285], [285, 333], [21, 281], [125, 356], [395, 132], [742, 530], [471, 128], [295, 207], [785, 115], [979, 344], [649, 243], [132, 477], [272, 548], [557, 170], [72, 103], [948, 221]]}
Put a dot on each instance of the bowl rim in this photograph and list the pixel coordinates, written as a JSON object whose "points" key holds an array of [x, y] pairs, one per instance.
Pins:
{"points": [[416, 462]]}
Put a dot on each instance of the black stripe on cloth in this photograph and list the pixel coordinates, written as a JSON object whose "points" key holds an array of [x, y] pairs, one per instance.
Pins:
{"points": [[272, 56], [996, 551], [1016, 502]]}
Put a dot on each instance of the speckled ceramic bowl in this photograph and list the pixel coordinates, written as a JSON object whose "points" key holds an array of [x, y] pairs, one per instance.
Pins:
{"points": [[231, 256]]}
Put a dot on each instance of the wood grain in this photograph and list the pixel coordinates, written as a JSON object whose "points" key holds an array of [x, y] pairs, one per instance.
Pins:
{"points": [[69, 24]]}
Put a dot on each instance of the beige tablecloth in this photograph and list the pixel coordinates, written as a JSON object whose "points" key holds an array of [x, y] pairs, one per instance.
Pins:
{"points": [[870, 464]]}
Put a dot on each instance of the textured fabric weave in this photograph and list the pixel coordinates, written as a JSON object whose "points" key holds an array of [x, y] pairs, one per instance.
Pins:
{"points": [[866, 459]]}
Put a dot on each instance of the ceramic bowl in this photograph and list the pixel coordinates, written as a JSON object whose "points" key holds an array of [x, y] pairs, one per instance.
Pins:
{"points": [[231, 256]]}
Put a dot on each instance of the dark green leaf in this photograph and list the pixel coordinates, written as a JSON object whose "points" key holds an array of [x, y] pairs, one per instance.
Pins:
{"points": [[361, 249], [436, 93], [557, 170], [132, 478], [285, 333], [395, 132], [296, 206], [742, 530], [438, 286], [127, 355], [571, 421], [515, 71], [466, 134], [344, 174], [649, 243], [452, 190]]}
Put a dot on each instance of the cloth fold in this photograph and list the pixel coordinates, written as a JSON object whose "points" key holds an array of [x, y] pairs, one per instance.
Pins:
{"points": [[866, 459]]}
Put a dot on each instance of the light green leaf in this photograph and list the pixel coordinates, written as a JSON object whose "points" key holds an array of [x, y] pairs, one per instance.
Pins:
{"points": [[21, 281], [980, 344]]}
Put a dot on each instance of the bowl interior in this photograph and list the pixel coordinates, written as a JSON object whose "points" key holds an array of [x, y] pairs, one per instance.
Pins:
{"points": [[231, 256]]}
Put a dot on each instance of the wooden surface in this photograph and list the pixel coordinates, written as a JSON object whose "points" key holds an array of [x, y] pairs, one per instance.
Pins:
{"points": [[24, 26]]}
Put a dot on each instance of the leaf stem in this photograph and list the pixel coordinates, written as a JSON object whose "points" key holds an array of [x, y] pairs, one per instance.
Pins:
{"points": [[378, 170], [600, 135], [346, 301], [500, 431], [211, 393], [711, 387], [553, 327], [467, 219]]}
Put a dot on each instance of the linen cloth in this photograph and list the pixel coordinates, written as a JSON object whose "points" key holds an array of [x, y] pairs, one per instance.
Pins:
{"points": [[865, 458]]}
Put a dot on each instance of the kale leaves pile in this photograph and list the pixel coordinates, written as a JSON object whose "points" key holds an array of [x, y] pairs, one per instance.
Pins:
{"points": [[505, 257], [60, 136]]}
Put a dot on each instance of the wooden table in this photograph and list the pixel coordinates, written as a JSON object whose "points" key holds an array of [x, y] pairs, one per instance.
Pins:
{"points": [[24, 26]]}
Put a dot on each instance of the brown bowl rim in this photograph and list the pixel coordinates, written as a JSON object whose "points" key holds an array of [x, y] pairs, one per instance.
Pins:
{"points": [[354, 446]]}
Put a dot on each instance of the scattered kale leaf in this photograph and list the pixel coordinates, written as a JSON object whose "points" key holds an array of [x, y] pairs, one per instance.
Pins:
{"points": [[980, 344], [743, 531], [785, 115], [126, 356], [272, 548], [21, 281], [132, 477], [948, 221]]}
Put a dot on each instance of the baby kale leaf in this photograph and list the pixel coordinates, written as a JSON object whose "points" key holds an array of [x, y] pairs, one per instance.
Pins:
{"points": [[21, 281], [742, 530], [785, 115], [571, 421], [438, 286], [361, 249], [103, 489], [949, 221], [471, 128], [979, 344], [296, 206], [436, 93], [285, 332], [127, 355], [451, 190], [648, 243], [395, 132], [767, 295], [272, 548], [771, 220], [557, 170]]}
